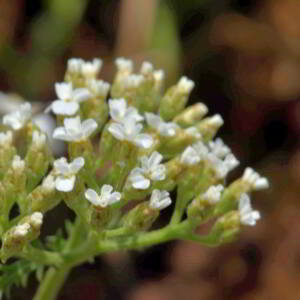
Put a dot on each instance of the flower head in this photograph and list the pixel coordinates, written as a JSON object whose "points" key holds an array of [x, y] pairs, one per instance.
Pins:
{"points": [[99, 88], [194, 154], [213, 194], [119, 111], [218, 148], [21, 230], [160, 199], [74, 130], [129, 131], [87, 69], [66, 173], [163, 128], [68, 99], [248, 216], [255, 180], [106, 197], [18, 164], [19, 118], [151, 169]]}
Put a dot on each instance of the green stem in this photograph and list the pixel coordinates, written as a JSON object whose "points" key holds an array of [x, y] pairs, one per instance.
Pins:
{"points": [[55, 277]]}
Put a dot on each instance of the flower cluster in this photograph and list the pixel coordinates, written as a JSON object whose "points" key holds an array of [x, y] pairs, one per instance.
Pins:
{"points": [[150, 144]]}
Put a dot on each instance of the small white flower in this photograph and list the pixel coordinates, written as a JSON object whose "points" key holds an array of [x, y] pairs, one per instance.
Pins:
{"points": [[133, 81], [201, 149], [36, 219], [164, 128], [99, 88], [219, 148], [119, 111], [248, 216], [255, 180], [90, 69], [124, 65], [19, 118], [6, 139], [185, 85], [213, 194], [151, 169], [74, 130], [68, 99], [190, 156], [106, 197], [159, 76], [222, 167], [129, 130], [74, 65], [38, 139], [193, 132], [21, 230], [66, 173], [160, 199], [146, 68], [18, 164]]}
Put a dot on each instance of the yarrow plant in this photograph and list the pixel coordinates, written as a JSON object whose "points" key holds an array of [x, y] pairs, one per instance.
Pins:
{"points": [[128, 146]]}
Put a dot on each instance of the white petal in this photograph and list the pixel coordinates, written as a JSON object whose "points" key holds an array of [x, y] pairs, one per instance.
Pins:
{"points": [[72, 125], [12, 121], [92, 196], [61, 165], [159, 173], [153, 120], [140, 182], [117, 130], [88, 127], [63, 90], [143, 140], [133, 113], [117, 109], [60, 107], [80, 95], [155, 158], [106, 189], [61, 134], [76, 165], [114, 197], [63, 184]]}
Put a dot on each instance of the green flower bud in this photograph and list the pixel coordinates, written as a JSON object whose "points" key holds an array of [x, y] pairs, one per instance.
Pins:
{"points": [[209, 127], [175, 99], [191, 115], [7, 152]]}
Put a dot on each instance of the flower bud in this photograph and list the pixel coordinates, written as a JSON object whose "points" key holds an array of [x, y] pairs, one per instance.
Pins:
{"points": [[175, 99], [191, 115], [209, 127]]}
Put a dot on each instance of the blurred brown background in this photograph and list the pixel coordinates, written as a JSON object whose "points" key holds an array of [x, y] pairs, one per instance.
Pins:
{"points": [[245, 59]]}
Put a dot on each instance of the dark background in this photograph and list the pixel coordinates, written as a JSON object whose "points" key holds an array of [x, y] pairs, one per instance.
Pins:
{"points": [[244, 57]]}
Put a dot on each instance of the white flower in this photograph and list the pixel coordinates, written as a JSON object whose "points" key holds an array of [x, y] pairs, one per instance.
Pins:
{"points": [[133, 81], [193, 132], [106, 197], [255, 180], [151, 169], [164, 128], [124, 65], [146, 68], [36, 219], [119, 111], [38, 139], [74, 130], [129, 130], [87, 69], [213, 194], [21, 230], [190, 156], [19, 118], [248, 216], [160, 199], [222, 167], [90, 69], [219, 148], [99, 88], [18, 164], [6, 139], [185, 85], [68, 99], [66, 173]]}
